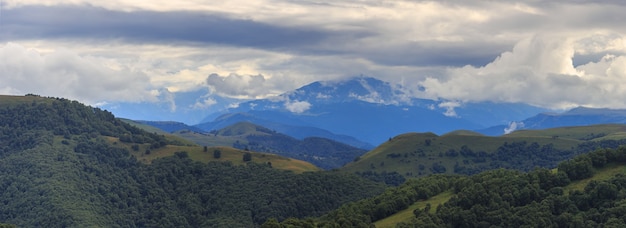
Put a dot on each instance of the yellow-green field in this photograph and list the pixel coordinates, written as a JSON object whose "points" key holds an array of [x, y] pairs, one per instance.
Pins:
{"points": [[232, 155], [407, 214], [605, 173], [11, 100]]}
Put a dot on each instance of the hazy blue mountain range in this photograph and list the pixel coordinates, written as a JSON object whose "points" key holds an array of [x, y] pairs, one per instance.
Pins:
{"points": [[361, 111], [369, 110], [580, 116]]}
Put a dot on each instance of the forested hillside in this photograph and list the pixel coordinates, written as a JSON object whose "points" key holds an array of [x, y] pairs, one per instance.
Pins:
{"points": [[587, 191], [59, 168], [468, 153]]}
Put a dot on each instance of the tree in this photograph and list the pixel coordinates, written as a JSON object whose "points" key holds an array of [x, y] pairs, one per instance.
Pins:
{"points": [[217, 154], [247, 157]]}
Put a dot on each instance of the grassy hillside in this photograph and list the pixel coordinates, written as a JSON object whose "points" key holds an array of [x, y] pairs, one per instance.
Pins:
{"points": [[198, 153], [466, 152], [407, 214], [324, 153], [29, 99], [145, 154]]}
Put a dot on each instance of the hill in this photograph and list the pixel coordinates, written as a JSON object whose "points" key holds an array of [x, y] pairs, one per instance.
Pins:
{"points": [[586, 191], [322, 152], [64, 164], [463, 152], [282, 123]]}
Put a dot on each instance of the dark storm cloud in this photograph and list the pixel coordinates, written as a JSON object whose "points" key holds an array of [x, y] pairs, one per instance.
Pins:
{"points": [[74, 22], [201, 28], [438, 54]]}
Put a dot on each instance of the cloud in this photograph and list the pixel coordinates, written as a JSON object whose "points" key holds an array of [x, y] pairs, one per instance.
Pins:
{"points": [[238, 86], [540, 71], [182, 27], [63, 73], [297, 106], [513, 126], [449, 106], [167, 98], [550, 53], [204, 103]]}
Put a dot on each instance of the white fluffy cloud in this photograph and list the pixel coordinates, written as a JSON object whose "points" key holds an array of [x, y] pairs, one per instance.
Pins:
{"points": [[539, 70], [297, 106], [63, 73], [238, 86]]}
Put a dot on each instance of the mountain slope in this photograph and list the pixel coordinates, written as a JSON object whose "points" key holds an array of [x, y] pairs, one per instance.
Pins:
{"points": [[322, 152], [63, 164], [575, 117], [462, 152]]}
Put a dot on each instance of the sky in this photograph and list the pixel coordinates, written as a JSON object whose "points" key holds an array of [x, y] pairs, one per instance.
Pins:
{"points": [[555, 54]]}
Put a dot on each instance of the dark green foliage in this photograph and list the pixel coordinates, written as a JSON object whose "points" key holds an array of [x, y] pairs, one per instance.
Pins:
{"points": [[501, 198], [65, 118], [389, 178], [324, 153], [247, 157], [536, 199], [88, 182], [217, 154], [362, 213]]}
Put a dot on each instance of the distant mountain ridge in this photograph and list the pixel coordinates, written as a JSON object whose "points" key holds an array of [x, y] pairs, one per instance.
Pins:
{"points": [[580, 116], [369, 110]]}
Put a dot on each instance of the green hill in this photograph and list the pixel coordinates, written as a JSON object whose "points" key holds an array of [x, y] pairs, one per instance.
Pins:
{"points": [[64, 164], [586, 191], [322, 152], [465, 152], [145, 154]]}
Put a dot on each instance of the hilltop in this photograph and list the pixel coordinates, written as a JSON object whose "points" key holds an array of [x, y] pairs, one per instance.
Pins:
{"points": [[466, 152]]}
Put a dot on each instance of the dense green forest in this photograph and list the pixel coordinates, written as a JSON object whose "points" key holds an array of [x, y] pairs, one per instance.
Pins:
{"points": [[58, 170], [500, 198]]}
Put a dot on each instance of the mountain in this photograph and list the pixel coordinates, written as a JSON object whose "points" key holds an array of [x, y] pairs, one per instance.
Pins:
{"points": [[281, 123], [580, 116], [465, 152], [322, 152], [369, 110], [64, 164]]}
